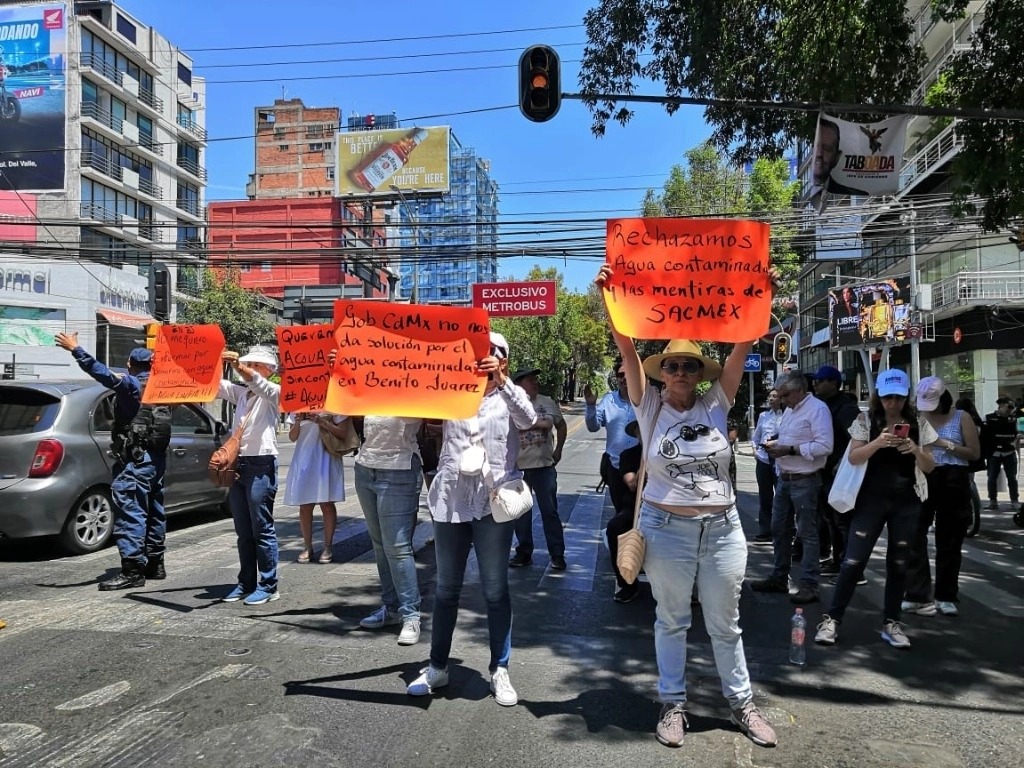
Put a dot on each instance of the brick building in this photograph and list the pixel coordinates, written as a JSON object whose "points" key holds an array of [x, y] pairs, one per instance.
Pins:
{"points": [[294, 151]]}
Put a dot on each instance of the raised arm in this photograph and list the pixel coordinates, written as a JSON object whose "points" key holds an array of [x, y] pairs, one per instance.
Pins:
{"points": [[636, 382]]}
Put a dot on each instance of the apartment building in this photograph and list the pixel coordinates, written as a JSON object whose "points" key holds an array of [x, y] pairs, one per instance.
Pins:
{"points": [[105, 169]]}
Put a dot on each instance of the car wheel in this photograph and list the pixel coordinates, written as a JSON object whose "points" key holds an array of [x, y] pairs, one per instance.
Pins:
{"points": [[90, 524]]}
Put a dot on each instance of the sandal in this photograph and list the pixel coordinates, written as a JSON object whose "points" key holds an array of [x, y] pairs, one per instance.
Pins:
{"points": [[326, 557], [303, 556]]}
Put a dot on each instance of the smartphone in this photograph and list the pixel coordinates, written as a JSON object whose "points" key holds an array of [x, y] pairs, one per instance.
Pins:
{"points": [[901, 430]]}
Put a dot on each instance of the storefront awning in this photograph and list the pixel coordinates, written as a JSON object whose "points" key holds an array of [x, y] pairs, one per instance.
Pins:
{"points": [[124, 319]]}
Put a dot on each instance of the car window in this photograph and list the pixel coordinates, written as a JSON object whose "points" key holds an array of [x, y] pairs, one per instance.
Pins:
{"points": [[24, 410], [187, 420], [103, 416]]}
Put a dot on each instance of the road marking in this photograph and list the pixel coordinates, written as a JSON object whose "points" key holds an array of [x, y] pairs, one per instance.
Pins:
{"points": [[96, 698], [583, 535]]}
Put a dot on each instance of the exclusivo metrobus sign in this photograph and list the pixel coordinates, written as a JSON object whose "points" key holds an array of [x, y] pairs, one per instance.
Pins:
{"points": [[509, 299]]}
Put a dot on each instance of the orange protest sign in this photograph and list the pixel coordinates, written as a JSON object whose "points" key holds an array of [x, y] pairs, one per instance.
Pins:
{"points": [[303, 350], [186, 364], [407, 360], [703, 279]]}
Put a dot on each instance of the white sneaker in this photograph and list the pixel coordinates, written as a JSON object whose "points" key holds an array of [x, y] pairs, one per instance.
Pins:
{"points": [[380, 618], [827, 631], [502, 688], [947, 608], [921, 609], [430, 680], [410, 634], [894, 635]]}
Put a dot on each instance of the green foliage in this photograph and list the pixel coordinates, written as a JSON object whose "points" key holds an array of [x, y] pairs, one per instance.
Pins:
{"points": [[788, 50], [238, 312], [569, 347], [990, 75]]}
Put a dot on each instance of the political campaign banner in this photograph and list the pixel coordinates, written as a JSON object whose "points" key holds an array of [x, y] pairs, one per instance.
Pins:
{"points": [[869, 314], [33, 96], [861, 159]]}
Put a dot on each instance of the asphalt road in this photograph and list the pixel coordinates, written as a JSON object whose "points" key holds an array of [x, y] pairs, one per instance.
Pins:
{"points": [[168, 676]]}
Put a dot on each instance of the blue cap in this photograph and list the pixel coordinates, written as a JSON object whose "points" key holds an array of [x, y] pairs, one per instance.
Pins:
{"points": [[828, 373], [140, 356]]}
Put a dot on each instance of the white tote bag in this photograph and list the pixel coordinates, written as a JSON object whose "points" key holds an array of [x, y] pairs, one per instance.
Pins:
{"points": [[846, 485]]}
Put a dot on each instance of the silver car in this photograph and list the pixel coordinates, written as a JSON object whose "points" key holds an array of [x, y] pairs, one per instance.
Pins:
{"points": [[55, 462]]}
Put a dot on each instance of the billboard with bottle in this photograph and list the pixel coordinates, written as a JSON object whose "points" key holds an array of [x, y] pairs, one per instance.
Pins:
{"points": [[33, 49], [411, 159]]}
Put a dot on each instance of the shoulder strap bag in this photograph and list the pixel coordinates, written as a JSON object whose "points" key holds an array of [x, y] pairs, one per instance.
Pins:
{"points": [[222, 469], [632, 545]]}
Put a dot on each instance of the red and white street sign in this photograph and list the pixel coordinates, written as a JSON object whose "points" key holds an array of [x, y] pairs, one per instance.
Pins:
{"points": [[533, 298]]}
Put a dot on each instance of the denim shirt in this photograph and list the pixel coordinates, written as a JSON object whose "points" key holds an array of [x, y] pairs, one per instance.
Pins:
{"points": [[614, 412]]}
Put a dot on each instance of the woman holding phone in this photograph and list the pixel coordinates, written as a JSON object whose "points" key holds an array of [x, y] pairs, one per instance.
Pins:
{"points": [[889, 438]]}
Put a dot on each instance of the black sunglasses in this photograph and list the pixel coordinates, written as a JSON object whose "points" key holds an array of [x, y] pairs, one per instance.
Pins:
{"points": [[689, 434], [689, 365]]}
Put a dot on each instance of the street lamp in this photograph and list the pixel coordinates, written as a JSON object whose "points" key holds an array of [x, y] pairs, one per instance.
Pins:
{"points": [[415, 219]]}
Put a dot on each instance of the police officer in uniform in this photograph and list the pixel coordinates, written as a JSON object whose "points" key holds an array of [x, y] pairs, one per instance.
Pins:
{"points": [[140, 523]]}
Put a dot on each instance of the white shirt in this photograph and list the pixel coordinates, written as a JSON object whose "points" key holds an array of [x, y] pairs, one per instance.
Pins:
{"points": [[537, 446], [389, 442], [767, 429], [808, 426], [457, 498], [259, 437]]}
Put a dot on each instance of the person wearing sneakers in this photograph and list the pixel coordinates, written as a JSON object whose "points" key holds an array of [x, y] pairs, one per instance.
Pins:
{"points": [[252, 495], [689, 520], [800, 452], [893, 441], [538, 456], [949, 504], [476, 454]]}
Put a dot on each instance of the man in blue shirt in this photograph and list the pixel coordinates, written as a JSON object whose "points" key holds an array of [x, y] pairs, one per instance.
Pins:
{"points": [[140, 523], [614, 413]]}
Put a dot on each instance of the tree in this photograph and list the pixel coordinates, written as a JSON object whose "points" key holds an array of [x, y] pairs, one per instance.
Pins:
{"points": [[238, 312], [788, 50], [569, 347], [990, 74]]}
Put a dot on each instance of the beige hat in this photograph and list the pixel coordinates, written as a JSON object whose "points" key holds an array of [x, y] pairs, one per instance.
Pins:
{"points": [[682, 348], [258, 354]]}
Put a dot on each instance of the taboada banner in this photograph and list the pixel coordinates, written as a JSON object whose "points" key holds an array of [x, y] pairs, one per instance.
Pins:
{"points": [[33, 105], [411, 159]]}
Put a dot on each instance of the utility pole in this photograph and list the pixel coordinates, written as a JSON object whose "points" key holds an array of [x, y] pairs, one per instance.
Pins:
{"points": [[415, 219], [910, 218]]}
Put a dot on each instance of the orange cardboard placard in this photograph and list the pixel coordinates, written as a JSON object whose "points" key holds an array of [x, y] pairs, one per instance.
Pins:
{"points": [[407, 360], [303, 350], [186, 364], [699, 279]]}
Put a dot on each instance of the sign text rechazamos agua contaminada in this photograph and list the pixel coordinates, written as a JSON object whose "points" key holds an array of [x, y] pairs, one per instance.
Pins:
{"points": [[537, 297]]}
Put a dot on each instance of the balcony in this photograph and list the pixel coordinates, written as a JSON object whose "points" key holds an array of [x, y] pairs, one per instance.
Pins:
{"points": [[102, 164], [147, 187], [190, 125], [972, 289], [149, 98], [93, 111], [192, 167], [191, 244], [190, 206], [148, 143], [151, 232], [101, 214], [97, 64], [937, 152]]}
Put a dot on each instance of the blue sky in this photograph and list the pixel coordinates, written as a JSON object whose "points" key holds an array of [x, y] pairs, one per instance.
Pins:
{"points": [[525, 157]]}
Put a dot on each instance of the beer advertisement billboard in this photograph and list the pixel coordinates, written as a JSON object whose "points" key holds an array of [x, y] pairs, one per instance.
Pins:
{"points": [[411, 159], [870, 314], [33, 50]]}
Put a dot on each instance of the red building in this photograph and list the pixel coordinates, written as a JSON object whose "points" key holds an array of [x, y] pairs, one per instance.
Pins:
{"points": [[314, 241]]}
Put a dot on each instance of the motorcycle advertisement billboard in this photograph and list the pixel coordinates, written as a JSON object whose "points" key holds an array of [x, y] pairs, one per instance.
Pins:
{"points": [[33, 52], [870, 314], [409, 159]]}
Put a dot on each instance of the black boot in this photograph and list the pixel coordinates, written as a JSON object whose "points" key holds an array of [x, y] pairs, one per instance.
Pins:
{"points": [[155, 568], [130, 577]]}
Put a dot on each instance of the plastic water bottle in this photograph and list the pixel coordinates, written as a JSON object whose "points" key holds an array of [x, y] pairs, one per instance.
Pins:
{"points": [[797, 636]]}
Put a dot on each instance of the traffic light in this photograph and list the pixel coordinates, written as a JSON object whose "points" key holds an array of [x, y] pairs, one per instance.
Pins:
{"points": [[160, 291], [539, 83], [782, 348], [152, 329]]}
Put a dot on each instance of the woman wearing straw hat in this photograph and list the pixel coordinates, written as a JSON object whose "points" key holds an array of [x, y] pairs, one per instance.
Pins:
{"points": [[689, 519]]}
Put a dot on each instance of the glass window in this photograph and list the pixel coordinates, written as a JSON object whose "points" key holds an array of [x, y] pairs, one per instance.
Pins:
{"points": [[119, 110], [184, 74], [103, 416], [145, 127], [90, 92], [125, 28], [186, 420]]}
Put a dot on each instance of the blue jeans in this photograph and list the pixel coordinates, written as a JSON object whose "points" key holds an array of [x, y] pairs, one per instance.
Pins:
{"points": [[797, 501], [491, 541], [543, 481], [140, 522], [251, 499], [390, 499], [712, 551], [1008, 464]]}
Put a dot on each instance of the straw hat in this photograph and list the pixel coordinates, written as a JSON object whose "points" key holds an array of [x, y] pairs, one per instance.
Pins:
{"points": [[682, 348]]}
